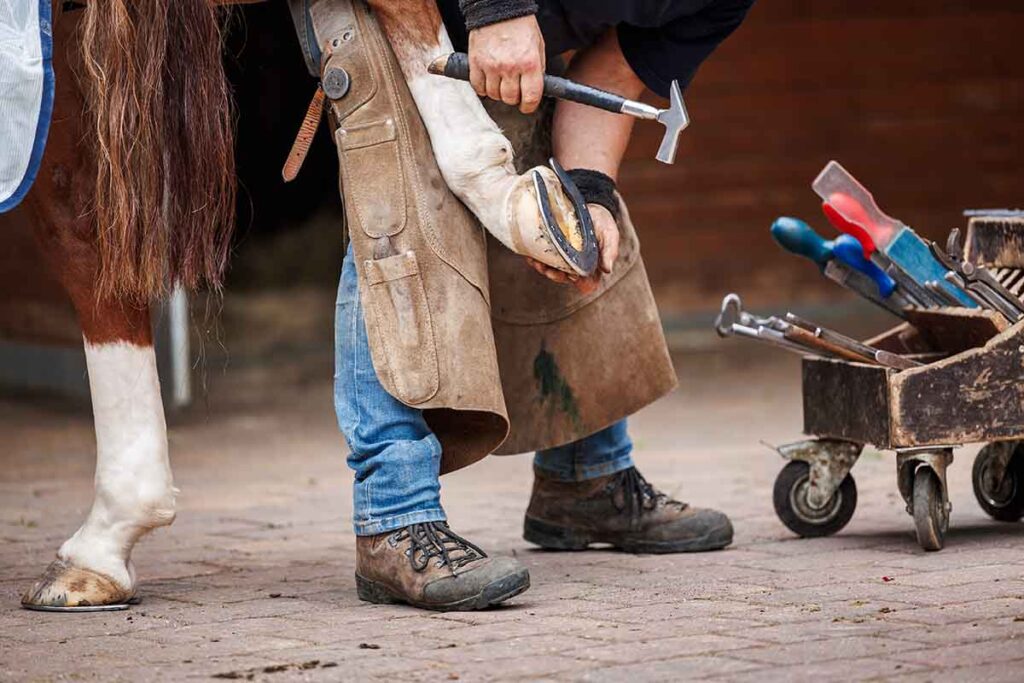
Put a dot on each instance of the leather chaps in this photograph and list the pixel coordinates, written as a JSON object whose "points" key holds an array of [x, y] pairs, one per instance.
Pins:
{"points": [[498, 358]]}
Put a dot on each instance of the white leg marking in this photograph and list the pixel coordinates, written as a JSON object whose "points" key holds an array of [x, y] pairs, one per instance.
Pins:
{"points": [[134, 487], [475, 158]]}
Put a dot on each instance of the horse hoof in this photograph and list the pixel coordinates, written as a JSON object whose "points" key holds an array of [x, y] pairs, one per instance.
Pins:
{"points": [[554, 225], [66, 588]]}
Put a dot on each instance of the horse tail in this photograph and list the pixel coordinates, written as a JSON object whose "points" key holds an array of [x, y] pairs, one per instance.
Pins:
{"points": [[159, 107]]}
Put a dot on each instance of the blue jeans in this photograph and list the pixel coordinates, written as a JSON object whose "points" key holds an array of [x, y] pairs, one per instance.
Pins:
{"points": [[395, 456]]}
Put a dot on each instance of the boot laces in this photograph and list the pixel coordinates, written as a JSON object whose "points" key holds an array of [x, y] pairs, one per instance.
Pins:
{"points": [[638, 495], [435, 540]]}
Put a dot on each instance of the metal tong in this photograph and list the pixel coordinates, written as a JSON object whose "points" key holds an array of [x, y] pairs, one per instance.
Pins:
{"points": [[801, 336], [976, 281]]}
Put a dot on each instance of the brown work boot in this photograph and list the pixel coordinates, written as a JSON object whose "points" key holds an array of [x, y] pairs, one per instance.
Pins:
{"points": [[428, 566], [621, 509]]}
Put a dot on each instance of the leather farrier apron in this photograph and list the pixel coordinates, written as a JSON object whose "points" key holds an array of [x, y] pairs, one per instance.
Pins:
{"points": [[497, 357]]}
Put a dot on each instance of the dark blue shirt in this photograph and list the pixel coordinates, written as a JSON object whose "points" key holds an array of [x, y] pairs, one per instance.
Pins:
{"points": [[663, 40]]}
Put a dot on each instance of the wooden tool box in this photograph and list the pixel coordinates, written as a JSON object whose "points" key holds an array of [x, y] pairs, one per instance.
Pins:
{"points": [[970, 389]]}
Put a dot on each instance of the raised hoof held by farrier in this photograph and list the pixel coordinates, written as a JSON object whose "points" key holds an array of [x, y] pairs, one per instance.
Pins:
{"points": [[63, 586], [552, 223]]}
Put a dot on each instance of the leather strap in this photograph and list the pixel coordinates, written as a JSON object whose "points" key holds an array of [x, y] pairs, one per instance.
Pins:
{"points": [[304, 138]]}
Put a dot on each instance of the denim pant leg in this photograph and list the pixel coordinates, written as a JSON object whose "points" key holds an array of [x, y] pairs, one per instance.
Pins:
{"points": [[395, 456], [598, 455]]}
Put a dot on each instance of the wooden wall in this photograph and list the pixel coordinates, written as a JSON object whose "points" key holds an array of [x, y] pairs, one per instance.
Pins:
{"points": [[922, 100]]}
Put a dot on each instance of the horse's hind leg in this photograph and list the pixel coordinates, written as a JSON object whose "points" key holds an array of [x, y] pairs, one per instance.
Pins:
{"points": [[133, 485]]}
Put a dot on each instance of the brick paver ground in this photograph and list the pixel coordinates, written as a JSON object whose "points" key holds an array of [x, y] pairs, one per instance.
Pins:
{"points": [[254, 579]]}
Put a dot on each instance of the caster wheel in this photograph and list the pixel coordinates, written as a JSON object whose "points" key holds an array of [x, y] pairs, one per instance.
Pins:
{"points": [[1003, 500], [931, 517], [790, 498]]}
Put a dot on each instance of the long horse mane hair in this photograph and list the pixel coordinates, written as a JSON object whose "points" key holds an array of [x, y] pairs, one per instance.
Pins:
{"points": [[161, 122]]}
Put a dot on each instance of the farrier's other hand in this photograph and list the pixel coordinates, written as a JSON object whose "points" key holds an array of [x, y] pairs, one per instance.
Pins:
{"points": [[607, 234], [506, 62]]}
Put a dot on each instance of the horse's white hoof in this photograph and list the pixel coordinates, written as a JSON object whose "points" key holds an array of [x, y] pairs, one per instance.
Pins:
{"points": [[66, 588], [551, 223]]}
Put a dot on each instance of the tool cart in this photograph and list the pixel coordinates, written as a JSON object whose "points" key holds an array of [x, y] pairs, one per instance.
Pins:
{"points": [[951, 374]]}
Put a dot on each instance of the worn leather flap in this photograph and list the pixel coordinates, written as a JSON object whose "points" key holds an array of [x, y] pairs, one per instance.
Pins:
{"points": [[367, 134], [373, 173], [399, 305], [392, 268]]}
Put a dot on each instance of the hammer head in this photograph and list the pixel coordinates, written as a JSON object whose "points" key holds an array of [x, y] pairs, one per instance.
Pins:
{"points": [[675, 119]]}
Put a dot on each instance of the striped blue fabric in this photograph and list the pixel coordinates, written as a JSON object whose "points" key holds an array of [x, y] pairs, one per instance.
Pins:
{"points": [[26, 94]]}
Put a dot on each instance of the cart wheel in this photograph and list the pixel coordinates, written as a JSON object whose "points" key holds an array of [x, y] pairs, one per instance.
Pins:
{"points": [[931, 518], [790, 498], [1003, 501]]}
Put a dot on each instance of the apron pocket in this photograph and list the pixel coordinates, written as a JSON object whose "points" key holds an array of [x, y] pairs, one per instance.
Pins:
{"points": [[377, 191], [399, 304]]}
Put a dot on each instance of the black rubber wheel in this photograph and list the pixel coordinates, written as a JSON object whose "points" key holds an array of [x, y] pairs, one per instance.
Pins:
{"points": [[931, 518], [1004, 502], [790, 498]]}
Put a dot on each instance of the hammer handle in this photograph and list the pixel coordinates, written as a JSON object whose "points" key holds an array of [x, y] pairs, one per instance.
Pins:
{"points": [[457, 66]]}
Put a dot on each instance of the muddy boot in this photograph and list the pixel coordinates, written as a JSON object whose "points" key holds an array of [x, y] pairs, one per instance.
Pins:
{"points": [[621, 509], [428, 566]]}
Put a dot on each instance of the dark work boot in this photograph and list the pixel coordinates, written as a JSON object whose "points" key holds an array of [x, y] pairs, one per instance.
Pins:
{"points": [[429, 566], [621, 509]]}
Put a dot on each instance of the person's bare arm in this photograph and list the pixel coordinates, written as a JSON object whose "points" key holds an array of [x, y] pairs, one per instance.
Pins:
{"points": [[576, 128]]}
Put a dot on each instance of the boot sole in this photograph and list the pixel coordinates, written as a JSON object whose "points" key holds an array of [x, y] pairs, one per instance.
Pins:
{"points": [[492, 594], [554, 537]]}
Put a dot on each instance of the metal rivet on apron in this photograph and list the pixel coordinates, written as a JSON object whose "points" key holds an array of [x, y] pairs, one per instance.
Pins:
{"points": [[336, 83]]}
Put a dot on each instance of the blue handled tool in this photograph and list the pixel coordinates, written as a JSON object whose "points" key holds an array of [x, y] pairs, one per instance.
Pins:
{"points": [[848, 250], [797, 237], [794, 235]]}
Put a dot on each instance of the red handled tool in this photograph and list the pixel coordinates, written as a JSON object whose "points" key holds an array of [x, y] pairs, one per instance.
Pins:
{"points": [[886, 240], [842, 222]]}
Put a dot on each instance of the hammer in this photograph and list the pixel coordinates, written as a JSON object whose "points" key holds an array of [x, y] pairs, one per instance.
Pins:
{"points": [[675, 118]]}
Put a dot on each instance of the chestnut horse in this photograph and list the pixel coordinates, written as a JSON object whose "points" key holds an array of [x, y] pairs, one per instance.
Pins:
{"points": [[136, 193]]}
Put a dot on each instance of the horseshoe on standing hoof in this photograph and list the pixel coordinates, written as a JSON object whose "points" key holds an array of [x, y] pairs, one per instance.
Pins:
{"points": [[65, 588], [570, 229]]}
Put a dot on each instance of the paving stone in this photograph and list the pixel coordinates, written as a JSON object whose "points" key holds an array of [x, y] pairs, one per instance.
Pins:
{"points": [[959, 576], [676, 669], [858, 669], [1000, 672], [866, 623], [957, 656], [839, 647], [958, 613], [663, 648], [1006, 630]]}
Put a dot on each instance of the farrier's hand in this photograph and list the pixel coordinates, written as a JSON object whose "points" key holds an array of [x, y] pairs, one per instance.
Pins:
{"points": [[607, 234], [506, 62]]}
